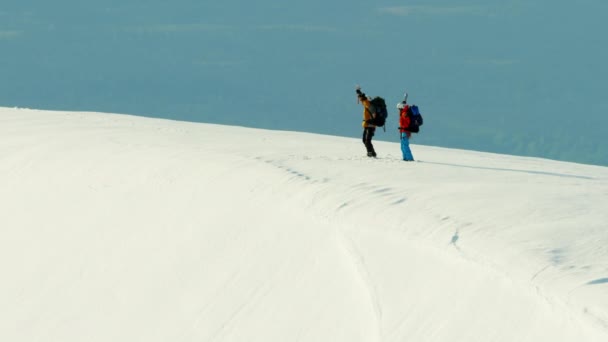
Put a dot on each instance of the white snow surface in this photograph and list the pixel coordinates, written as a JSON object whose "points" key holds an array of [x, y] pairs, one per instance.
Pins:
{"points": [[124, 228]]}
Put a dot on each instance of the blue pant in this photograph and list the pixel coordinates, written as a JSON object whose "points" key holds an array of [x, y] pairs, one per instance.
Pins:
{"points": [[405, 147]]}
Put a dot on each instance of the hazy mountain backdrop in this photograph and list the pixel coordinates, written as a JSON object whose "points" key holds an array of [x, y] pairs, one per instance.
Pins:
{"points": [[515, 77]]}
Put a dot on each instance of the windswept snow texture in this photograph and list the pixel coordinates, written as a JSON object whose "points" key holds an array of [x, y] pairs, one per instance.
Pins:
{"points": [[123, 228]]}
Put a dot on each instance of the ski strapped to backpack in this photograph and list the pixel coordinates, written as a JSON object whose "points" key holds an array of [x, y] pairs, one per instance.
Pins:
{"points": [[415, 119], [379, 113]]}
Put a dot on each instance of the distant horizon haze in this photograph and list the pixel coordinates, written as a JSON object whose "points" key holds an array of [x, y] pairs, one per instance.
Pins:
{"points": [[514, 77]]}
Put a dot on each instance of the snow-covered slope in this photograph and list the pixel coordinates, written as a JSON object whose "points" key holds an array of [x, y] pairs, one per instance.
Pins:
{"points": [[123, 228]]}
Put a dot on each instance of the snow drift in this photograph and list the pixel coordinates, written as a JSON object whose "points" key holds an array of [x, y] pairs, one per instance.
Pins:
{"points": [[123, 228]]}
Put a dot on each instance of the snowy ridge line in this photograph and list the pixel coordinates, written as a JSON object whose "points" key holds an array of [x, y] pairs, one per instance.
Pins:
{"points": [[454, 237], [114, 224]]}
